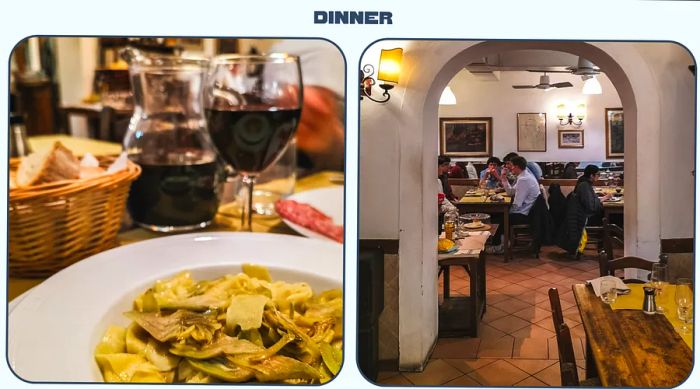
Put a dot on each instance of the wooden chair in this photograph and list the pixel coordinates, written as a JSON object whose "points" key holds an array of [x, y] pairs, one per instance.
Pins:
{"points": [[567, 358], [607, 262]]}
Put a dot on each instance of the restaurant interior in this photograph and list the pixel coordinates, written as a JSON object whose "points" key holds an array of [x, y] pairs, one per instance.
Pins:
{"points": [[481, 317]]}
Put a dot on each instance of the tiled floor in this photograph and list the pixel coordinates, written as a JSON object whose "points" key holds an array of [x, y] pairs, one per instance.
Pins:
{"points": [[517, 344]]}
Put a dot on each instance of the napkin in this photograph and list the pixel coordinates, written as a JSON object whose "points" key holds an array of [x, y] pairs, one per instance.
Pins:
{"points": [[595, 283], [118, 164]]}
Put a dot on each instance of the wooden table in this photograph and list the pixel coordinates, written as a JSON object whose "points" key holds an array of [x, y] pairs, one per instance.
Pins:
{"points": [[225, 220], [612, 207], [460, 316], [629, 348], [469, 204]]}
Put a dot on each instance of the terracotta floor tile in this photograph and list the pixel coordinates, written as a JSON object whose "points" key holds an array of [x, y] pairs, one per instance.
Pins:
{"points": [[456, 348], [541, 297], [493, 313], [530, 348], [397, 380], [566, 283], [513, 290], [551, 276], [515, 277], [499, 373], [383, 375], [570, 271], [511, 305], [530, 382], [437, 372], [532, 331], [488, 333], [469, 365], [546, 324], [550, 375], [496, 284], [533, 283], [554, 351], [568, 297], [532, 366], [532, 314], [529, 296], [579, 346], [495, 297], [464, 380], [499, 348], [509, 324], [578, 331]]}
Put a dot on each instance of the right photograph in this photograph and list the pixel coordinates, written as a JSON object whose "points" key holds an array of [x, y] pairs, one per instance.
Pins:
{"points": [[526, 213]]}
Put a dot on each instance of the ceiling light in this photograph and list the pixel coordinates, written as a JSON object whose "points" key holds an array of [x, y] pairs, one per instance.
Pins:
{"points": [[592, 87], [447, 97]]}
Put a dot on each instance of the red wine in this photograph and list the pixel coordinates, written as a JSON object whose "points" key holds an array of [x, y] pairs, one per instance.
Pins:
{"points": [[167, 195], [251, 140]]}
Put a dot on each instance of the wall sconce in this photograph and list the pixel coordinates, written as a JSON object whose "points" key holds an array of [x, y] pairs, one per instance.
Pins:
{"points": [[389, 69], [565, 119]]}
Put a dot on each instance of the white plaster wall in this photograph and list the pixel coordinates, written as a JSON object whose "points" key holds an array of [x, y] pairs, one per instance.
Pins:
{"points": [[498, 99], [76, 60]]}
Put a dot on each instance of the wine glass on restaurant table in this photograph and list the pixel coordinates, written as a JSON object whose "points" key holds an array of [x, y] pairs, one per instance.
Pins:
{"points": [[684, 302], [253, 109], [658, 279]]}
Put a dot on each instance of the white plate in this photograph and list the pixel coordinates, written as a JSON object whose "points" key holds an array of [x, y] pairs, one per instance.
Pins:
{"points": [[326, 200], [53, 331]]}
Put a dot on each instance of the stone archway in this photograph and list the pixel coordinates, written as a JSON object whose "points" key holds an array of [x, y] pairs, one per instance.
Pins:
{"points": [[429, 66]]}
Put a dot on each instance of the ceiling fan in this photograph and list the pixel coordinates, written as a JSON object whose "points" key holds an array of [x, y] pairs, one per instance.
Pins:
{"points": [[544, 84], [584, 68]]}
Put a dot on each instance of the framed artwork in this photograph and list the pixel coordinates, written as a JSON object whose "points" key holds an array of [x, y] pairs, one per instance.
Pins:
{"points": [[466, 137], [532, 131], [614, 133], [570, 139]]}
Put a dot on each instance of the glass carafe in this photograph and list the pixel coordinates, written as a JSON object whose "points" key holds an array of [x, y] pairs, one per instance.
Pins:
{"points": [[180, 185]]}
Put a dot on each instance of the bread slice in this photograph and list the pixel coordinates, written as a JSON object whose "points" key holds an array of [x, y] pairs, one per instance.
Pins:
{"points": [[56, 164]]}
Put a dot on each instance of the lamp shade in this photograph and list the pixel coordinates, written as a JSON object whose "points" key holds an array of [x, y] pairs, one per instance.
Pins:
{"points": [[580, 111], [561, 111], [390, 65], [447, 97], [592, 87]]}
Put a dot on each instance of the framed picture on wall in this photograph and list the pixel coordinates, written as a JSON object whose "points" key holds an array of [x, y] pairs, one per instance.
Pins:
{"points": [[532, 131], [466, 137], [614, 133], [570, 139]]}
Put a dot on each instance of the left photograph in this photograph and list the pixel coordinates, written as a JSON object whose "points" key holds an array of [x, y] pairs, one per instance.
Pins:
{"points": [[176, 210]]}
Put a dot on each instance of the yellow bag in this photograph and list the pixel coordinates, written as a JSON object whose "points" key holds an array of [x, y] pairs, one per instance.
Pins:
{"points": [[582, 243]]}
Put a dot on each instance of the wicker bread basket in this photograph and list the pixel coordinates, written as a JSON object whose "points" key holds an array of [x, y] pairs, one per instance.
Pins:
{"points": [[54, 225]]}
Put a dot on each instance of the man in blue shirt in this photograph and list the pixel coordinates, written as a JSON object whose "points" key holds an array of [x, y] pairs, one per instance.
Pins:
{"points": [[533, 167], [490, 178]]}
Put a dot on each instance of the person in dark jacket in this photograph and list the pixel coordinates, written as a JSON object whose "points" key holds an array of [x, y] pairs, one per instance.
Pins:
{"points": [[443, 176], [557, 205], [581, 204], [570, 170]]}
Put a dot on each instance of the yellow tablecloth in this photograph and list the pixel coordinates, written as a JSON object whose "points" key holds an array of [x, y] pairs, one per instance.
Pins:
{"points": [[635, 298], [78, 146]]}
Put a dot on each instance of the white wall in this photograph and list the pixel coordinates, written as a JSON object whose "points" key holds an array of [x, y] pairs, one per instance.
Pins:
{"points": [[498, 99]]}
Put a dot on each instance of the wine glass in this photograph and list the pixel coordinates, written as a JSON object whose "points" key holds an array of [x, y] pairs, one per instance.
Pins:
{"points": [[684, 302], [659, 281], [253, 108], [608, 291]]}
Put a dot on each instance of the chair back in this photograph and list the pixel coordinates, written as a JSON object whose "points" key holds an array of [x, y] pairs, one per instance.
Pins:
{"points": [[567, 359], [613, 236]]}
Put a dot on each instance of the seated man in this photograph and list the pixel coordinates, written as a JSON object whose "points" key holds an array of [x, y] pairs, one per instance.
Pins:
{"points": [[443, 177], [533, 167], [490, 178], [524, 193]]}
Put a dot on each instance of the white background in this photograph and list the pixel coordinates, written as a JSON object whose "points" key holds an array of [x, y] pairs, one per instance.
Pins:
{"points": [[590, 20]]}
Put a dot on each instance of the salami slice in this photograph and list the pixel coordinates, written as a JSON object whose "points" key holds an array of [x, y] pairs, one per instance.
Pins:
{"points": [[309, 217]]}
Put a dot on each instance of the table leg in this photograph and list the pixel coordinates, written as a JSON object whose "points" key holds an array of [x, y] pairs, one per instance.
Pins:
{"points": [[446, 282], [474, 291], [506, 235], [481, 273]]}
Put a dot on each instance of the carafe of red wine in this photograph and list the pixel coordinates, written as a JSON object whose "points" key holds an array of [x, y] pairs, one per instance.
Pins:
{"points": [[181, 180]]}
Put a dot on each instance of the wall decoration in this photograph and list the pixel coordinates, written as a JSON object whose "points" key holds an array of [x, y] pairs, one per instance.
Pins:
{"points": [[466, 137], [532, 131], [571, 139], [614, 133]]}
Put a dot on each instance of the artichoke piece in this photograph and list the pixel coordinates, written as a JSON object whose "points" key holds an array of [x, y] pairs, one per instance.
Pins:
{"points": [[178, 325], [113, 341], [157, 353], [245, 311], [136, 339], [223, 371], [223, 345], [280, 321], [253, 336], [332, 357], [256, 271], [286, 295], [125, 367], [278, 368], [216, 296], [323, 331]]}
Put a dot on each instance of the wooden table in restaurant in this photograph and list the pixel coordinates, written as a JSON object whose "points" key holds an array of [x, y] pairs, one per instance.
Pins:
{"points": [[482, 204], [459, 316], [228, 218], [612, 207], [626, 347]]}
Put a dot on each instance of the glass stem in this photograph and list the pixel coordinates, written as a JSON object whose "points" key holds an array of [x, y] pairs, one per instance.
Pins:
{"points": [[247, 214]]}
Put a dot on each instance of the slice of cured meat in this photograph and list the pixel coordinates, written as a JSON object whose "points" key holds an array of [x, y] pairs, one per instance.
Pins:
{"points": [[309, 217]]}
